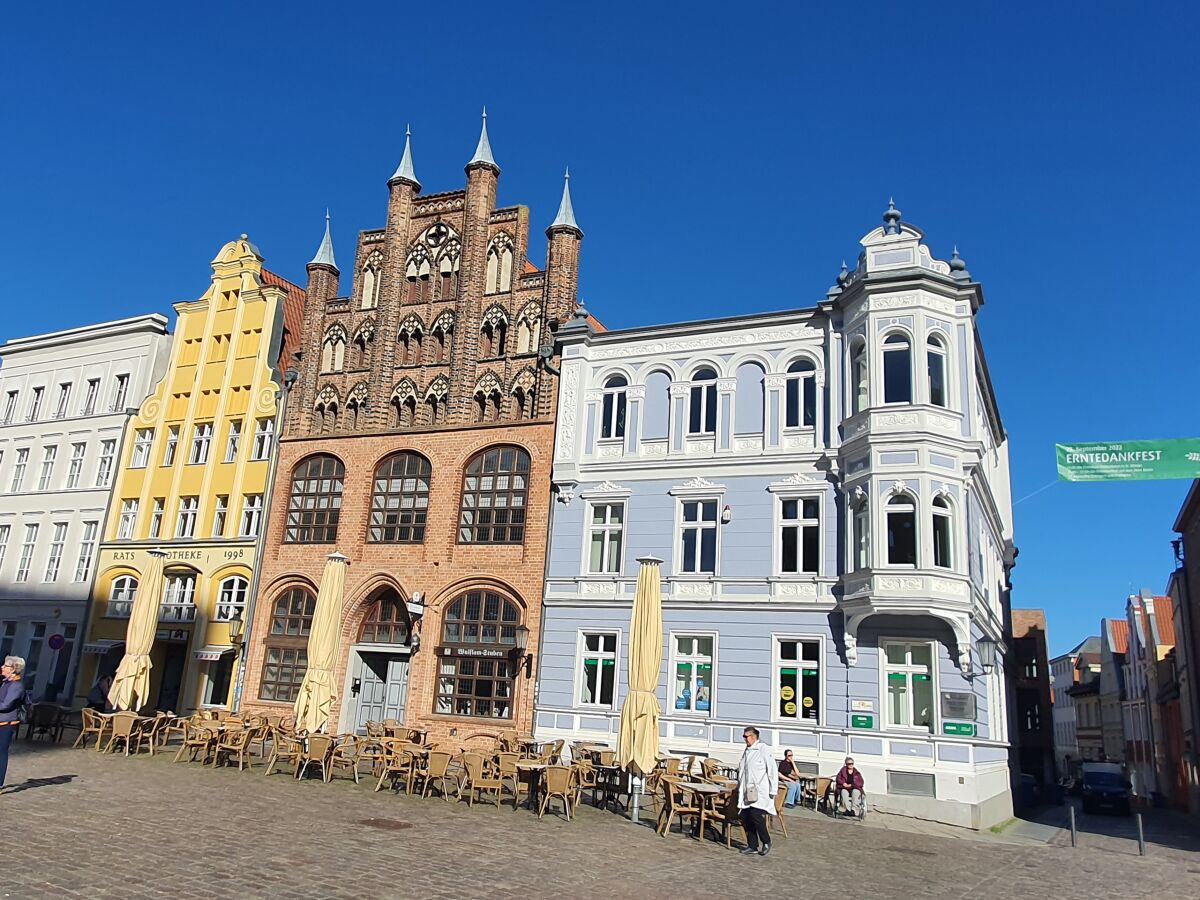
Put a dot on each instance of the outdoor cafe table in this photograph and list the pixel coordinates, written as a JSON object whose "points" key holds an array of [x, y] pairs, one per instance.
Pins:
{"points": [[534, 771], [706, 794], [610, 784]]}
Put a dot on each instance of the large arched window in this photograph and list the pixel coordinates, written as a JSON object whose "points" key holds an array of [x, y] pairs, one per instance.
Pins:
{"points": [[902, 530], [400, 500], [478, 682], [120, 597], [333, 350], [386, 621], [897, 369], [495, 490], [943, 534], [612, 418], [286, 657], [936, 357], [231, 598], [801, 394], [859, 398], [702, 408], [315, 504]]}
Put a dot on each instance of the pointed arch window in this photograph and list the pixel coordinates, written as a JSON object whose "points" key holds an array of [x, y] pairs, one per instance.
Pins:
{"points": [[386, 622], [702, 411], [529, 329], [333, 351], [410, 347], [370, 286], [286, 656], [327, 411], [943, 533], [435, 410], [404, 405], [499, 265], [612, 411], [442, 329], [488, 405], [417, 275], [315, 502], [493, 334], [448, 272], [356, 406], [364, 338], [902, 530], [897, 369], [495, 491], [400, 500], [859, 386], [935, 355], [801, 398]]}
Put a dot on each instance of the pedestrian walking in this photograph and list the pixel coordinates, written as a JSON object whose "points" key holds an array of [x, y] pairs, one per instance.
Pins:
{"points": [[12, 707], [758, 780]]}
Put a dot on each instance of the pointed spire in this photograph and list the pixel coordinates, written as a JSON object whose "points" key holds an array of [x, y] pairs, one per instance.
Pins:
{"points": [[483, 150], [324, 255], [405, 172], [566, 212], [958, 267]]}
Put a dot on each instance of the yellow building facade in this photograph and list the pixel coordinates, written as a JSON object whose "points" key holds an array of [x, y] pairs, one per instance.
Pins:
{"points": [[193, 480]]}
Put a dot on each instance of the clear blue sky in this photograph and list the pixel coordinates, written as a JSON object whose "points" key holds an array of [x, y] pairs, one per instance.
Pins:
{"points": [[725, 158]]}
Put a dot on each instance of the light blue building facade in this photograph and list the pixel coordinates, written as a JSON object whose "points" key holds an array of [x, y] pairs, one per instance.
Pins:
{"points": [[828, 490]]}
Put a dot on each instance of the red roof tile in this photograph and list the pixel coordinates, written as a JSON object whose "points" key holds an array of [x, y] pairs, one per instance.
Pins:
{"points": [[530, 269], [1164, 620], [1118, 630], [293, 318]]}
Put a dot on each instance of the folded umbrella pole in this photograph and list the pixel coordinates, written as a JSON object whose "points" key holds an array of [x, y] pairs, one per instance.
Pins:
{"points": [[317, 692], [637, 748]]}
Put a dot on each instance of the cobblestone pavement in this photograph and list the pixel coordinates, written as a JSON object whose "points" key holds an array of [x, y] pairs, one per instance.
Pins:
{"points": [[85, 824]]}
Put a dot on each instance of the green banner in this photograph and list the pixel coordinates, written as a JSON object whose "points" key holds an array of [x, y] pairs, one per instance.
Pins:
{"points": [[1129, 460]]}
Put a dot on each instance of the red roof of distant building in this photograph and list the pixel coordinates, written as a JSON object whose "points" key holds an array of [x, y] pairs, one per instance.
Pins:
{"points": [[1118, 631], [530, 268], [1164, 620], [293, 317]]}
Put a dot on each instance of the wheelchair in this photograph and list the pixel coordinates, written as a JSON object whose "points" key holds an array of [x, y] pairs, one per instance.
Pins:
{"points": [[833, 803]]}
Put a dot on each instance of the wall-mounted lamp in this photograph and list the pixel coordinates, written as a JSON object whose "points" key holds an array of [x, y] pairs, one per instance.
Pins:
{"points": [[521, 635], [727, 514], [236, 624], [986, 647]]}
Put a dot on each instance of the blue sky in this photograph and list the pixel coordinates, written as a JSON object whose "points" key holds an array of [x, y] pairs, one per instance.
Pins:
{"points": [[725, 159]]}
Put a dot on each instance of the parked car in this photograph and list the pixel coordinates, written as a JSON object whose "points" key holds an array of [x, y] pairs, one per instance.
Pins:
{"points": [[1105, 787]]}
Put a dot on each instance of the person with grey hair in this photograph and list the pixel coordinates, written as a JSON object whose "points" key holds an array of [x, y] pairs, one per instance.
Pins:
{"points": [[12, 707]]}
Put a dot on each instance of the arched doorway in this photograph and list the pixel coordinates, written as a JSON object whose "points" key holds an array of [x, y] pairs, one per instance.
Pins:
{"points": [[378, 670]]}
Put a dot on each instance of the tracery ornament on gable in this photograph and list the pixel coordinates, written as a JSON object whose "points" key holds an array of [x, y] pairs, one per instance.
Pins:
{"points": [[495, 315], [437, 235], [524, 381], [417, 263], [445, 322], [487, 385], [438, 388], [328, 398], [412, 323], [358, 395], [403, 390], [365, 332]]}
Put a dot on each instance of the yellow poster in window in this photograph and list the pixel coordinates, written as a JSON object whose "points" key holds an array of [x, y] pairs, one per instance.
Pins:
{"points": [[789, 708], [808, 702], [787, 692]]}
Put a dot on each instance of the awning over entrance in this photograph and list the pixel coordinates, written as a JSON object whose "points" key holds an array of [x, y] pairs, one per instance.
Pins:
{"points": [[212, 652], [101, 647]]}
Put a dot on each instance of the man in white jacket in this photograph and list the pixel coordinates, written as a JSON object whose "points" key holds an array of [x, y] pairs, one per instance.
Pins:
{"points": [[758, 781]]}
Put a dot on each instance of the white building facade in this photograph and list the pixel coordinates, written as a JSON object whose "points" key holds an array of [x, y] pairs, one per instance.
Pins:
{"points": [[828, 489], [64, 401], [1077, 665]]}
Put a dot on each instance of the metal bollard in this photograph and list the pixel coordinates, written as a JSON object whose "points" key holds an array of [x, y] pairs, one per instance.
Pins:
{"points": [[1141, 837], [1074, 833]]}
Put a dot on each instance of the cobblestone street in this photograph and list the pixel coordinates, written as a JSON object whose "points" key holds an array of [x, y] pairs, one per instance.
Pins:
{"points": [[85, 824]]}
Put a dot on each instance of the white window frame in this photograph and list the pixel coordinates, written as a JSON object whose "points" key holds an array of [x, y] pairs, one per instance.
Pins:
{"points": [[58, 543], [935, 725], [142, 442], [5, 536], [202, 433], [179, 589], [264, 439], [10, 407], [75, 467], [233, 440], [860, 517], [780, 523], [680, 525], [90, 398], [251, 516], [912, 500], [127, 522], [120, 392], [28, 546], [777, 663], [87, 551], [20, 465], [220, 515], [936, 336], [104, 468], [616, 423], [64, 399], [35, 404], [46, 474], [858, 383], [156, 517], [673, 658], [799, 378], [709, 394], [607, 529], [949, 513], [170, 445], [226, 607], [189, 510], [582, 653], [883, 351]]}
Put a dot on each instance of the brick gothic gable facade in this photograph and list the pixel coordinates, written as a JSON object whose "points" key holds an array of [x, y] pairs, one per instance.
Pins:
{"points": [[421, 390]]}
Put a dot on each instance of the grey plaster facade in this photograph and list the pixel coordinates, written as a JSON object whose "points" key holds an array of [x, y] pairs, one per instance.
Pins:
{"points": [[832, 506], [64, 400]]}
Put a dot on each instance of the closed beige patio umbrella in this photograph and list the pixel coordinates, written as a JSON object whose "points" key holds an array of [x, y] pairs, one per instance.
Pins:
{"points": [[131, 683], [317, 692], [637, 746]]}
